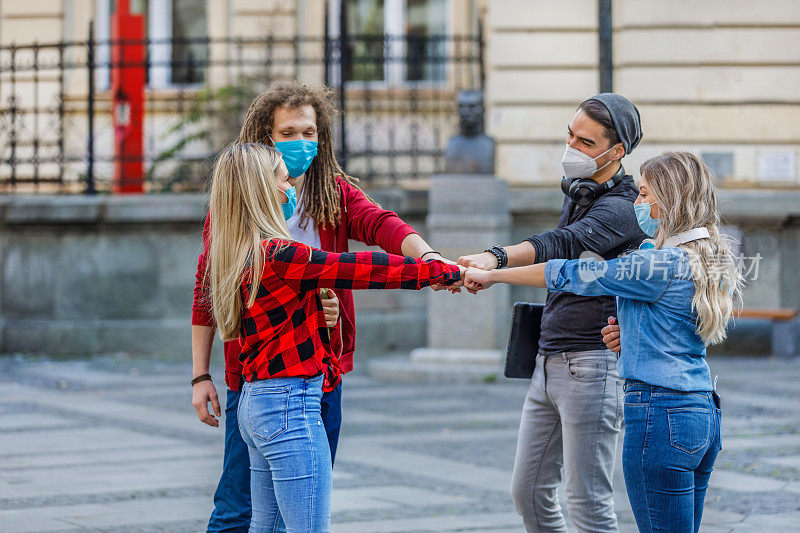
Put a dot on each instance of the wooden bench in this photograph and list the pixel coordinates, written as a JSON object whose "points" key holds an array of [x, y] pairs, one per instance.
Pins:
{"points": [[785, 329]]}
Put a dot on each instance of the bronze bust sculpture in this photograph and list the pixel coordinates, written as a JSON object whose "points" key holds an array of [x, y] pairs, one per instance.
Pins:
{"points": [[471, 151]]}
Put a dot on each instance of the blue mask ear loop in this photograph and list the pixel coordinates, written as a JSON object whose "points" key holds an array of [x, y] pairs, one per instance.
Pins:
{"points": [[290, 206]]}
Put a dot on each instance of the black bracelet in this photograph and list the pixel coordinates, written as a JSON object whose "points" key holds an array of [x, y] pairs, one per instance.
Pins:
{"points": [[500, 254], [202, 377], [429, 252], [504, 262], [497, 255]]}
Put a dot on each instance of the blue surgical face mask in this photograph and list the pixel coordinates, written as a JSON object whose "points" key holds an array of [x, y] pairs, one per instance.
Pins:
{"points": [[648, 225], [297, 155], [291, 204]]}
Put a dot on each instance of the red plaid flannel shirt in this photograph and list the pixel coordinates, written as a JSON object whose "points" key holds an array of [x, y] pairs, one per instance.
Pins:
{"points": [[284, 333]]}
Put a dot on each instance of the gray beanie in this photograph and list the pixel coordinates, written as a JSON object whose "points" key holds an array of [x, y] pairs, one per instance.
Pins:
{"points": [[625, 117]]}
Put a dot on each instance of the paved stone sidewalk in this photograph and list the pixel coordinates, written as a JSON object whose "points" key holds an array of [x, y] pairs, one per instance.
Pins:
{"points": [[112, 444]]}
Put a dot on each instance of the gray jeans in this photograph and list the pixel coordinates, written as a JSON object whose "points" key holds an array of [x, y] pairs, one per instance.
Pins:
{"points": [[571, 418]]}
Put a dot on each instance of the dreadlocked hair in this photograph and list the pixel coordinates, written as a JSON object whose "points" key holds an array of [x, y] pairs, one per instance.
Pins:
{"points": [[320, 200]]}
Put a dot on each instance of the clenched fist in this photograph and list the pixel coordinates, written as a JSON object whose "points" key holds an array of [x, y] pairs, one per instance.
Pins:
{"points": [[476, 279], [484, 261], [330, 305], [611, 336]]}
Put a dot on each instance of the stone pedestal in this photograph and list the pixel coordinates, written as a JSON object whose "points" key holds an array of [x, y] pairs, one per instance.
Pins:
{"points": [[467, 214]]}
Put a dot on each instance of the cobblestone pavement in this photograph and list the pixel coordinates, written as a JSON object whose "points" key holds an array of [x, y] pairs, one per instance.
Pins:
{"points": [[112, 444]]}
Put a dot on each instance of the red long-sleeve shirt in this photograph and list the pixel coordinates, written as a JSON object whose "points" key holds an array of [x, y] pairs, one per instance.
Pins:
{"points": [[284, 332], [362, 221]]}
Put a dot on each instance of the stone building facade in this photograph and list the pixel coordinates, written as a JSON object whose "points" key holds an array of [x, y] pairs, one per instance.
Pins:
{"points": [[718, 78]]}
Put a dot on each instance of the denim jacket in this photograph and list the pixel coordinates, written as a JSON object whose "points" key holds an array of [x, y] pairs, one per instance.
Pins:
{"points": [[654, 290]]}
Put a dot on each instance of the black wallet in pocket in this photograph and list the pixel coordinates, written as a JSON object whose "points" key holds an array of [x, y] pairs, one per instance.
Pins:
{"points": [[523, 344]]}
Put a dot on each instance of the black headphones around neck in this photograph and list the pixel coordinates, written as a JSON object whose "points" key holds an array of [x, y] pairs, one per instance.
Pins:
{"points": [[584, 191]]}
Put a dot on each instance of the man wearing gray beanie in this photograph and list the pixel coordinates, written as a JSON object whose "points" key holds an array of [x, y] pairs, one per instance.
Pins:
{"points": [[573, 409]]}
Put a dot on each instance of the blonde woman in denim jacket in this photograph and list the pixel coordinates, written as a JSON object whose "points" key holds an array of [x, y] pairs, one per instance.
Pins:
{"points": [[675, 296]]}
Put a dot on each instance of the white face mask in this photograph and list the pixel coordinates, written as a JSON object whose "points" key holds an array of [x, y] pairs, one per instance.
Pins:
{"points": [[576, 164]]}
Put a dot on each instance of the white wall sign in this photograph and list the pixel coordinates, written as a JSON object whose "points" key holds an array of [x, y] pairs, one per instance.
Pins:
{"points": [[777, 165]]}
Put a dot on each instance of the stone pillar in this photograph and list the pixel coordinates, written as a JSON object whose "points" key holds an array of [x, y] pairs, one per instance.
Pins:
{"points": [[467, 214]]}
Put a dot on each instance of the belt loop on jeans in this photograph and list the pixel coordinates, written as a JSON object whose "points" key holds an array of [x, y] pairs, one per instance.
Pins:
{"points": [[643, 389], [644, 395]]}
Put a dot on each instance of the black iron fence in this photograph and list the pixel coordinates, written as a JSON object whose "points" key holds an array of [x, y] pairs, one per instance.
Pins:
{"points": [[397, 95]]}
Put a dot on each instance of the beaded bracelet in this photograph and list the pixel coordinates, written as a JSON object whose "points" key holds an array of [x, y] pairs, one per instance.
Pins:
{"points": [[500, 254]]}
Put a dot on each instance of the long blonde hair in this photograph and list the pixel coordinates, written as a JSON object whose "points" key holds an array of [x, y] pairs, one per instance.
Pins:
{"points": [[684, 188], [245, 210]]}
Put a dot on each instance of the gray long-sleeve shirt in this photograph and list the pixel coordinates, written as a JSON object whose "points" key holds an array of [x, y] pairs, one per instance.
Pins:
{"points": [[606, 227]]}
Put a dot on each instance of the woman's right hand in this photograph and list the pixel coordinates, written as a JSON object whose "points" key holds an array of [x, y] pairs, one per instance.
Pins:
{"points": [[477, 280]]}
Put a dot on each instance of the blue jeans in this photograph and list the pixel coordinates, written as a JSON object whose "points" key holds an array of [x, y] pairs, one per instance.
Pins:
{"points": [[232, 506], [231, 512], [672, 439], [332, 417], [290, 460]]}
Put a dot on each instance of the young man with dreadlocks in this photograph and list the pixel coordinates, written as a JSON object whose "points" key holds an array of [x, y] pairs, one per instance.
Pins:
{"points": [[296, 120]]}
